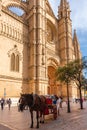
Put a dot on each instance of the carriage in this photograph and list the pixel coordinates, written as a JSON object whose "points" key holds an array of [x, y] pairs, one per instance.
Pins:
{"points": [[51, 110]]}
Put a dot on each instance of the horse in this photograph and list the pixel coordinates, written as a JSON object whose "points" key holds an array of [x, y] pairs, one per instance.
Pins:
{"points": [[35, 103]]}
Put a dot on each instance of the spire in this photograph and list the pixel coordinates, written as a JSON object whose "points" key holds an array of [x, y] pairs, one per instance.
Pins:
{"points": [[75, 36], [0, 7], [64, 9], [63, 2], [76, 46]]}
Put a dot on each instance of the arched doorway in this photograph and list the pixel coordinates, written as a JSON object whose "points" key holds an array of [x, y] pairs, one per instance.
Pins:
{"points": [[52, 87]]}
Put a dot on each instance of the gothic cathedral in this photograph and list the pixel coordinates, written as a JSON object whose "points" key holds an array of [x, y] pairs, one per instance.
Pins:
{"points": [[33, 43]]}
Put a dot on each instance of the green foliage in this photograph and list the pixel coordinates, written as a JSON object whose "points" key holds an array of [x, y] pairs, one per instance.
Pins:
{"points": [[64, 74], [72, 72]]}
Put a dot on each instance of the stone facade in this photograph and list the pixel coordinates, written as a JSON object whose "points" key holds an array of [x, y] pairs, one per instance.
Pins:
{"points": [[33, 45]]}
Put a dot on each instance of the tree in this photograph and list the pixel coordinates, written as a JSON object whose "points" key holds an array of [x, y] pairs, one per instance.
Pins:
{"points": [[73, 72], [63, 75], [84, 85], [77, 67]]}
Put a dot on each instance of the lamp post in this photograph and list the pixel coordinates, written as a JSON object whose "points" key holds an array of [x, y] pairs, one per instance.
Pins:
{"points": [[67, 54], [68, 102], [4, 92]]}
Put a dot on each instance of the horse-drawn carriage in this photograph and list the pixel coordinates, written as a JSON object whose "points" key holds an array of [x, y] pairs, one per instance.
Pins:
{"points": [[43, 105]]}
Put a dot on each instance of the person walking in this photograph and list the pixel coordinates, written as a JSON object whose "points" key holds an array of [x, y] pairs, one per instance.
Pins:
{"points": [[2, 103], [58, 105], [61, 100], [9, 103]]}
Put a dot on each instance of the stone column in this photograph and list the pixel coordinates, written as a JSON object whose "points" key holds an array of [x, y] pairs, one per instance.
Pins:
{"points": [[41, 69], [0, 16], [37, 40]]}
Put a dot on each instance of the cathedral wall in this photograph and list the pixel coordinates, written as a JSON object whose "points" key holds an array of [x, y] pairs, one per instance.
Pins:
{"points": [[10, 88], [6, 46], [9, 18], [13, 32], [13, 39]]}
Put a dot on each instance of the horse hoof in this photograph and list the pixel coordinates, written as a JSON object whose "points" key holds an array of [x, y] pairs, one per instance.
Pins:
{"points": [[43, 122]]}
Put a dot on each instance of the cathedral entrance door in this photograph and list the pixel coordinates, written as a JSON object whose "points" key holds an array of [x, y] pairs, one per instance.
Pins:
{"points": [[52, 87]]}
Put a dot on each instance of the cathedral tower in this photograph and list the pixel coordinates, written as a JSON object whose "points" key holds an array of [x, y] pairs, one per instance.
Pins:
{"points": [[65, 32]]}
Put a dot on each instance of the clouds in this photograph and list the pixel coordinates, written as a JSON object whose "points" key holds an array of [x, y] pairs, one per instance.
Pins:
{"points": [[79, 13]]}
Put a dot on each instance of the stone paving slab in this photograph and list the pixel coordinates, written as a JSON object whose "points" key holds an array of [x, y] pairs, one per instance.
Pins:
{"points": [[3, 127], [76, 120]]}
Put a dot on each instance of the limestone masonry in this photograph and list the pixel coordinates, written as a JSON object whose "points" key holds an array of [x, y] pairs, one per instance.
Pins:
{"points": [[33, 45]]}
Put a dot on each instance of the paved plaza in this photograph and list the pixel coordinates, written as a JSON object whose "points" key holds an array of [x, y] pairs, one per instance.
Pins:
{"points": [[14, 120]]}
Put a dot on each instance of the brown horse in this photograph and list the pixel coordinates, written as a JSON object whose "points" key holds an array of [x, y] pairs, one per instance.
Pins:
{"points": [[35, 103]]}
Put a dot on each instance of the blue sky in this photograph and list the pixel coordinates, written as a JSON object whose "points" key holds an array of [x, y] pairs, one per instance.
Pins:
{"points": [[79, 20], [17, 10]]}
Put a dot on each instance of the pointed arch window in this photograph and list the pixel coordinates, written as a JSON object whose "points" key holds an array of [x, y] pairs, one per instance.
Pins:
{"points": [[17, 63], [14, 62]]}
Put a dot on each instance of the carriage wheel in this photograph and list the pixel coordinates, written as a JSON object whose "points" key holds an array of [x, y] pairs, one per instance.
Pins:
{"points": [[55, 112]]}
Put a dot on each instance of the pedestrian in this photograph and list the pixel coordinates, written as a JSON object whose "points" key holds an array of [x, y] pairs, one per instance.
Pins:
{"points": [[9, 103], [2, 103], [60, 98], [58, 105], [18, 104]]}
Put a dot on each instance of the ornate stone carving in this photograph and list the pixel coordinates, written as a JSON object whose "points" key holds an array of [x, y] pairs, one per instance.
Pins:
{"points": [[49, 34], [17, 3], [13, 32], [49, 10], [15, 51]]}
